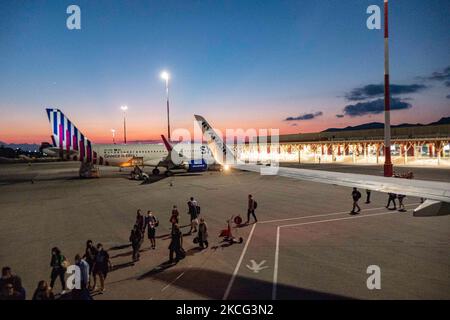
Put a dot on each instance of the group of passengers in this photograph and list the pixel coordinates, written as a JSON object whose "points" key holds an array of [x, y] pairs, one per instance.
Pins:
{"points": [[356, 195], [176, 251], [95, 262], [137, 235]]}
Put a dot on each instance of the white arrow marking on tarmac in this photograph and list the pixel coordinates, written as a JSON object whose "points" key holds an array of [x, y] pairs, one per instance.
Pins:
{"points": [[257, 267]]}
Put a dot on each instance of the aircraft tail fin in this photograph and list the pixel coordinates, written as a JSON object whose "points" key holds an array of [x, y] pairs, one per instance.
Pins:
{"points": [[221, 152], [67, 137], [168, 145]]}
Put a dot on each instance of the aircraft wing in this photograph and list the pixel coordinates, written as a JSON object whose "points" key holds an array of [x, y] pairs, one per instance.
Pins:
{"points": [[436, 193], [433, 190]]}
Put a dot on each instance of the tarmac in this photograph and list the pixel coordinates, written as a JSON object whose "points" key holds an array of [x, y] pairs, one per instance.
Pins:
{"points": [[304, 246]]}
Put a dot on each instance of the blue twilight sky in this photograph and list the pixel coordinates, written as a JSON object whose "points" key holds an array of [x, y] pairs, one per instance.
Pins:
{"points": [[241, 64]]}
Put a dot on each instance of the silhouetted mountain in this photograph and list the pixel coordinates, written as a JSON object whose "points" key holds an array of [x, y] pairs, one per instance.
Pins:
{"points": [[445, 120], [380, 125]]}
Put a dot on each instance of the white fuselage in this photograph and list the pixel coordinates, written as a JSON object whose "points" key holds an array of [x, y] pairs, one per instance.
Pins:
{"points": [[150, 154]]}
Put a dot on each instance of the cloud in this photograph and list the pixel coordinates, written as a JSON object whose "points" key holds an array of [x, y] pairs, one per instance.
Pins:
{"points": [[306, 116], [377, 90], [374, 107], [441, 76], [294, 125], [448, 96], [339, 116]]}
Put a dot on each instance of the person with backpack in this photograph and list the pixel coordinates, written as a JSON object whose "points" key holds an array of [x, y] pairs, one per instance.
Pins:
{"points": [[356, 195], [59, 264], [151, 222], [194, 211], [252, 204], [102, 266]]}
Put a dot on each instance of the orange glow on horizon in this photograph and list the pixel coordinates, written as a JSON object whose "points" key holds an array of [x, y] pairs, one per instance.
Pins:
{"points": [[37, 130]]}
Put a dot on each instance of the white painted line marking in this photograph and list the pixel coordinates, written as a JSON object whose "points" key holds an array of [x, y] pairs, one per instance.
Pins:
{"points": [[277, 248], [173, 281], [275, 267], [328, 214], [238, 265], [336, 219]]}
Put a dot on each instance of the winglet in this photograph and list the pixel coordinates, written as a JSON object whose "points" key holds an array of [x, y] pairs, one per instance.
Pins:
{"points": [[167, 143], [222, 154], [432, 208]]}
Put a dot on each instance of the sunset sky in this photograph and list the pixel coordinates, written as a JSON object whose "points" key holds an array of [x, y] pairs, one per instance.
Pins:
{"points": [[300, 66]]}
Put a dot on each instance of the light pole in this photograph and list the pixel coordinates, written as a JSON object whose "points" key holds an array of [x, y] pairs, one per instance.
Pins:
{"points": [[113, 135], [165, 76], [388, 170], [124, 109]]}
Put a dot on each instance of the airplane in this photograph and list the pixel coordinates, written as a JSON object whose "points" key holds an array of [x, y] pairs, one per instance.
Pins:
{"points": [[437, 194], [71, 144], [177, 161]]}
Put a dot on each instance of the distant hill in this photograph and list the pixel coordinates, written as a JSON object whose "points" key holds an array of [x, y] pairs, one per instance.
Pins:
{"points": [[445, 120], [23, 146], [380, 125]]}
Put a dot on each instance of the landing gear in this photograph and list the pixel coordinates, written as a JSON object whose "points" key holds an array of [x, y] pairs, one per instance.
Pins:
{"points": [[169, 173], [155, 172]]}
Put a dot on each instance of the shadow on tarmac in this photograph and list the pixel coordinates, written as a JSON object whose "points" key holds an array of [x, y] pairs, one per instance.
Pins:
{"points": [[120, 247], [211, 284]]}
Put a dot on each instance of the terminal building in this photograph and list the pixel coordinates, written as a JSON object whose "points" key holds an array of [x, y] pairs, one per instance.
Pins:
{"points": [[410, 145]]}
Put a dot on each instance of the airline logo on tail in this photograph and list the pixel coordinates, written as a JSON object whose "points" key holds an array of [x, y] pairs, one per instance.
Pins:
{"points": [[220, 151], [70, 141]]}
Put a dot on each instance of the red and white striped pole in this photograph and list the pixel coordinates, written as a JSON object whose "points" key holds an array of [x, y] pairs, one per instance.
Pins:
{"points": [[388, 170]]}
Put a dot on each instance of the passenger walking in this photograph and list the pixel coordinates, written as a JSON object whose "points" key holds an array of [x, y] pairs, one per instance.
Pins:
{"points": [[176, 244], [9, 279], [194, 211], [356, 195], [151, 223], [59, 265], [174, 216], [43, 292], [401, 206], [392, 197], [101, 267], [140, 221], [203, 234], [135, 239], [251, 209], [82, 293], [89, 256], [368, 192]]}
